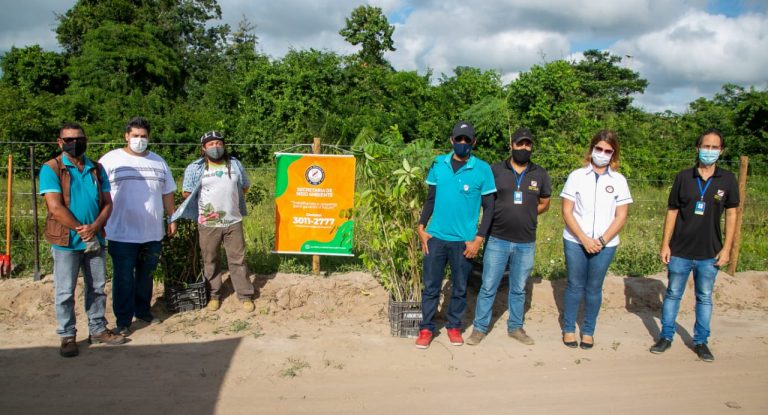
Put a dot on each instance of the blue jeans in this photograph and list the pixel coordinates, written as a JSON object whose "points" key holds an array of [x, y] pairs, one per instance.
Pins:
{"points": [[66, 265], [499, 254], [586, 273], [132, 268], [704, 274], [441, 253]]}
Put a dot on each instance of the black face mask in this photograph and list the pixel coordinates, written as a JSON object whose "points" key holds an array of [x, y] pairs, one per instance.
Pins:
{"points": [[75, 148], [521, 156]]}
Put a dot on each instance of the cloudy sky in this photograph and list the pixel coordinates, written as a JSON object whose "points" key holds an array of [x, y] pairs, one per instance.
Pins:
{"points": [[685, 48]]}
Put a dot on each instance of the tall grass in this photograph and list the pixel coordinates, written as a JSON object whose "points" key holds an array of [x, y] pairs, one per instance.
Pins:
{"points": [[637, 254]]}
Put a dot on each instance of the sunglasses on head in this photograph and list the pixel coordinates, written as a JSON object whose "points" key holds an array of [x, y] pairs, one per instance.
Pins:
{"points": [[462, 139], [606, 151], [71, 139]]}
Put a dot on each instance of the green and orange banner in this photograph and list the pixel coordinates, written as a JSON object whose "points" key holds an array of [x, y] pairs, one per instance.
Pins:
{"points": [[314, 197]]}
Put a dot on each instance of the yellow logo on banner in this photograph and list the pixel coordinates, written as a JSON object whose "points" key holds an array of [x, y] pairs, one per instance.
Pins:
{"points": [[314, 196]]}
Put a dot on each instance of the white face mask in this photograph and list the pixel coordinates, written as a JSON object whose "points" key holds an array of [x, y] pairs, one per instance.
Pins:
{"points": [[600, 159], [138, 144]]}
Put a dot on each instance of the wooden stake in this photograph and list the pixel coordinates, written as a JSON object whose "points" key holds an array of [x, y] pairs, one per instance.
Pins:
{"points": [[743, 164], [316, 258]]}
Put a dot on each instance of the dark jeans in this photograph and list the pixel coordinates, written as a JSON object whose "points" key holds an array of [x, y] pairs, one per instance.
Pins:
{"points": [[441, 253], [132, 268]]}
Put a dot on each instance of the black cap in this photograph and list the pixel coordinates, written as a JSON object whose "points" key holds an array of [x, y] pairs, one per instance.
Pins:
{"points": [[463, 128], [210, 136], [522, 134]]}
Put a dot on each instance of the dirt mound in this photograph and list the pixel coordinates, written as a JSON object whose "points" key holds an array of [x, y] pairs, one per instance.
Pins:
{"points": [[360, 298], [356, 296]]}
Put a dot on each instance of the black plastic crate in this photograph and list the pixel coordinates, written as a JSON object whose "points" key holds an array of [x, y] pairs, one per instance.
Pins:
{"points": [[192, 297], [404, 318]]}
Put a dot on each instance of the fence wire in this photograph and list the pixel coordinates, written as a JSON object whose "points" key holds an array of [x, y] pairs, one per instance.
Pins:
{"points": [[756, 200]]}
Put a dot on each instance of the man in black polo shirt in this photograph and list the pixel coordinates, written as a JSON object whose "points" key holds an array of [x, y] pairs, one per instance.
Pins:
{"points": [[523, 192], [692, 239]]}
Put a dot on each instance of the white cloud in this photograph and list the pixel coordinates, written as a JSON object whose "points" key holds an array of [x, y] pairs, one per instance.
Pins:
{"points": [[697, 54], [433, 39], [31, 22]]}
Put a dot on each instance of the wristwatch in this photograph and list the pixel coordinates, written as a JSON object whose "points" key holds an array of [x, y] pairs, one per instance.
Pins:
{"points": [[602, 241]]}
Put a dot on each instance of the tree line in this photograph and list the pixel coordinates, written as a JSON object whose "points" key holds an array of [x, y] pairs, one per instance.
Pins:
{"points": [[169, 61]]}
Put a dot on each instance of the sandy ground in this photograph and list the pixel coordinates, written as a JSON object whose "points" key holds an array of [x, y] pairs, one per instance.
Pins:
{"points": [[323, 346]]}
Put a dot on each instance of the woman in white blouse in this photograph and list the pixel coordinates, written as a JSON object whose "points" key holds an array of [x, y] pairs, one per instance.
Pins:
{"points": [[595, 203]]}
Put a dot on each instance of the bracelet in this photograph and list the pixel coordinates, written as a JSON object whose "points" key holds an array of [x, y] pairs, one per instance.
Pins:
{"points": [[602, 241]]}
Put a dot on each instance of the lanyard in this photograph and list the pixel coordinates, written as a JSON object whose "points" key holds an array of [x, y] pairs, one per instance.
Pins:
{"points": [[704, 190], [519, 179]]}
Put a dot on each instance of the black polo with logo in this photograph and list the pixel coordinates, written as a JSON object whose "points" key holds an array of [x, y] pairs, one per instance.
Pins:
{"points": [[699, 236], [517, 223]]}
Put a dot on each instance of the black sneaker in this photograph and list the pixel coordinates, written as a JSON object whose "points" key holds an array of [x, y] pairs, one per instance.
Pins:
{"points": [[122, 330], [661, 346], [703, 352]]}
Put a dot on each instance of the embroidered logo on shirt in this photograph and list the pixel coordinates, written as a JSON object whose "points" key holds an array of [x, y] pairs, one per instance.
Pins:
{"points": [[720, 194], [609, 189], [533, 183], [466, 187], [314, 175]]}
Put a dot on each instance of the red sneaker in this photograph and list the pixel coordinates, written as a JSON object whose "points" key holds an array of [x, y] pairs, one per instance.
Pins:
{"points": [[454, 335], [425, 337]]}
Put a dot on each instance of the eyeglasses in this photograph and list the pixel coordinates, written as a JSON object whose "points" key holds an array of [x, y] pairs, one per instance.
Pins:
{"points": [[462, 139], [71, 139], [606, 151]]}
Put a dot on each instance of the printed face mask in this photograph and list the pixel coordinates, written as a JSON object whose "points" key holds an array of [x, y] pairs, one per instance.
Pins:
{"points": [[138, 144], [708, 157], [600, 159], [214, 153]]}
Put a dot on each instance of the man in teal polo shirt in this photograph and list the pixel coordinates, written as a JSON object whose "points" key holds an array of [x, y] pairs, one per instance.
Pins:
{"points": [[76, 191], [458, 184]]}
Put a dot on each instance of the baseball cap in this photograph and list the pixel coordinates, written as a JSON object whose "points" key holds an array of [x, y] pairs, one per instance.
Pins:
{"points": [[463, 128], [522, 134], [210, 136]]}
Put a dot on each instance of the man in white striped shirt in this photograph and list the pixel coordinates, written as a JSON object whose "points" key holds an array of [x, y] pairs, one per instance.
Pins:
{"points": [[142, 189]]}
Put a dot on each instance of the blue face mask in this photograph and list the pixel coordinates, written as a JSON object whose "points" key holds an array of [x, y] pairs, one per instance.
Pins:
{"points": [[708, 157], [462, 149]]}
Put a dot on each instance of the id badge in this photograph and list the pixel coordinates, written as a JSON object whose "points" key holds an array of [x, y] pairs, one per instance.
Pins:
{"points": [[699, 208], [518, 197]]}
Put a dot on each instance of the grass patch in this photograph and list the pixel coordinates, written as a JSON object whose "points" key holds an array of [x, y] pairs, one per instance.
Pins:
{"points": [[239, 325], [294, 368], [637, 254]]}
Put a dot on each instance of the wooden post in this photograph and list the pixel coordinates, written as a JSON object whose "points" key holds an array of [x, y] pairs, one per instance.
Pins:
{"points": [[36, 239], [316, 258], [743, 164]]}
